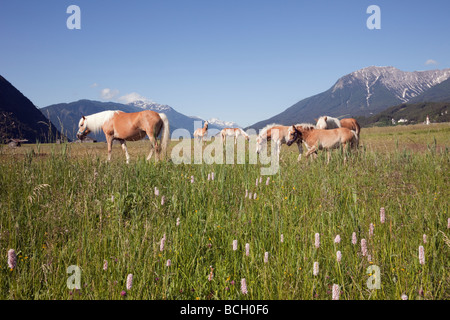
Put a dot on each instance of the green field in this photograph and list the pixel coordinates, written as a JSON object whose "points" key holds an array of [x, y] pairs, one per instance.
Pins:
{"points": [[63, 205]]}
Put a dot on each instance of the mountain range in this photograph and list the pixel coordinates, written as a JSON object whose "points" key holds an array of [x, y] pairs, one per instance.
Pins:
{"points": [[366, 92], [20, 119]]}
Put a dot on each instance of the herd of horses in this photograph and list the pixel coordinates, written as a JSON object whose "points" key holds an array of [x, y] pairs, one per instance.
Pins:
{"points": [[328, 132]]}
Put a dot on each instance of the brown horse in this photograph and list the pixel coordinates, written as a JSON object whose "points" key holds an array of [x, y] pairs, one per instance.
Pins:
{"points": [[351, 124], [279, 135], [201, 133], [121, 126], [318, 139], [326, 122]]}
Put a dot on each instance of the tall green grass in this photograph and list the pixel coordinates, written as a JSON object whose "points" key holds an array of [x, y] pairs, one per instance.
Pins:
{"points": [[62, 209]]}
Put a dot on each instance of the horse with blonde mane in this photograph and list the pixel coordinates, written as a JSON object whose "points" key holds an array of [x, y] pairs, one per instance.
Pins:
{"points": [[318, 139], [279, 135], [233, 132], [326, 122], [121, 126], [201, 133]]}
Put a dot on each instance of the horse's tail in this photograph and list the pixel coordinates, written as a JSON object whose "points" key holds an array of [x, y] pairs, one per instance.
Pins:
{"points": [[165, 135]]}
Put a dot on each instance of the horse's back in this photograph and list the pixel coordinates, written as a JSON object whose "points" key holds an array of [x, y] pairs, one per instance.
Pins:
{"points": [[351, 124]]}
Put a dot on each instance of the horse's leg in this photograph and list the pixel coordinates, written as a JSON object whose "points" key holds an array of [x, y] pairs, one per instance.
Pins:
{"points": [[153, 147], [310, 151], [300, 151], [109, 141], [125, 149]]}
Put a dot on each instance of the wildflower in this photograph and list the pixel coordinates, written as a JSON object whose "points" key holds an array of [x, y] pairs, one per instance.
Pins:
{"points": [[168, 263], [337, 239], [105, 265], [448, 223], [424, 238], [243, 286], [363, 247], [316, 268], [282, 238], [260, 179], [212, 176], [163, 199], [421, 255], [156, 192], [254, 196], [371, 227], [209, 176], [234, 245], [247, 249], [338, 256], [178, 222], [161, 246], [129, 281], [382, 215], [336, 292], [369, 258], [354, 240], [232, 282], [12, 259], [123, 293], [192, 179], [267, 183], [404, 297], [317, 240], [246, 193], [266, 257]]}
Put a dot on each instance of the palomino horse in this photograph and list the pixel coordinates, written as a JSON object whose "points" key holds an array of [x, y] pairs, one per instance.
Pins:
{"points": [[318, 139], [233, 132], [121, 126], [326, 122], [278, 134], [201, 133]]}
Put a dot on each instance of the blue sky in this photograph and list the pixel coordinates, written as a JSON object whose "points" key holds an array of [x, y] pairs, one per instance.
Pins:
{"points": [[238, 60]]}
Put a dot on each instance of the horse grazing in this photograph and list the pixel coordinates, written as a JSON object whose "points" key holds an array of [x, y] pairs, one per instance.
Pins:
{"points": [[121, 126], [201, 133], [278, 134], [318, 139], [326, 122], [233, 132]]}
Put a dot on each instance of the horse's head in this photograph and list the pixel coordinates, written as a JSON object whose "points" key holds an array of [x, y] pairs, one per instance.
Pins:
{"points": [[259, 142], [206, 124], [322, 123], [294, 134], [82, 128]]}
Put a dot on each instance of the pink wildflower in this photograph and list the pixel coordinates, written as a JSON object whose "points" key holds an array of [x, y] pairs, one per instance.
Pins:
{"points": [[424, 238], [337, 239], [371, 227], [156, 191], [316, 268], [338, 256], [163, 199], [421, 255], [266, 257], [247, 249], [317, 240], [234, 245], [12, 259], [243, 286], [364, 247], [105, 265], [168, 263], [382, 215], [354, 240], [129, 281], [336, 292], [267, 183]]}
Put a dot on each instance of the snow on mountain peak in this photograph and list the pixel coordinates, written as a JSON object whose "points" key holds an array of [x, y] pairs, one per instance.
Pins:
{"points": [[403, 84], [150, 105], [222, 124]]}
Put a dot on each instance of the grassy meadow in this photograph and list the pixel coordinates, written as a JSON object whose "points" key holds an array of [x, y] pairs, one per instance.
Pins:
{"points": [[63, 205]]}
